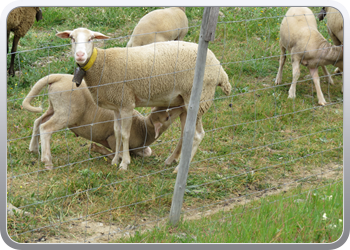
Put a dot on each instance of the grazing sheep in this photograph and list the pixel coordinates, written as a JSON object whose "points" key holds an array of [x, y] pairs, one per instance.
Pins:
{"points": [[19, 22], [299, 35], [145, 76], [335, 24], [74, 108], [154, 24]]}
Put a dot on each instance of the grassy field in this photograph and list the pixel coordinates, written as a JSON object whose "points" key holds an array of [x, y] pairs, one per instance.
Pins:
{"points": [[295, 216], [257, 140]]}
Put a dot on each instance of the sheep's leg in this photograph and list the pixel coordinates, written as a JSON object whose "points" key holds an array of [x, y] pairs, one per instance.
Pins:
{"points": [[14, 49], [281, 64], [296, 74], [50, 123], [46, 130], [8, 38], [145, 152], [34, 142], [316, 79], [126, 122], [326, 73], [118, 137], [198, 137], [177, 152], [102, 151]]}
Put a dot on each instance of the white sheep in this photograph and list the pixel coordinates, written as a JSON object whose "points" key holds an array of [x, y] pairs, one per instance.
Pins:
{"points": [[159, 26], [335, 28], [299, 35], [156, 75], [19, 22], [74, 108]]}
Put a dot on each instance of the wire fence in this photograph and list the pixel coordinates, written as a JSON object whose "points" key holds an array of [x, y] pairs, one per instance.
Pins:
{"points": [[257, 142]]}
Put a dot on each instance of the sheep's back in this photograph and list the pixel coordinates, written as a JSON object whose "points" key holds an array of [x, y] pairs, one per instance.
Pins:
{"points": [[21, 19], [160, 72], [335, 25], [156, 69]]}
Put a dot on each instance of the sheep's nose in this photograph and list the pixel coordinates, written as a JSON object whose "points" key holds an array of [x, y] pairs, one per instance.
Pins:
{"points": [[80, 54]]}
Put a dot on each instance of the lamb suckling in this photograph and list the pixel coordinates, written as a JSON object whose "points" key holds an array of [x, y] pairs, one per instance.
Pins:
{"points": [[155, 75], [299, 35], [159, 26], [19, 22], [74, 108]]}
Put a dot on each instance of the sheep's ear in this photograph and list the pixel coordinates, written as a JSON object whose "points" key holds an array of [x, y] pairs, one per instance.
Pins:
{"points": [[98, 35], [64, 34], [157, 126]]}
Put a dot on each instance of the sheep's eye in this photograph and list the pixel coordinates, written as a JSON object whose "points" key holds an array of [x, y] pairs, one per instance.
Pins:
{"points": [[167, 118]]}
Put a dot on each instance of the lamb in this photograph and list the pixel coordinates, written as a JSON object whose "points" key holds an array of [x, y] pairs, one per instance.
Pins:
{"points": [[151, 28], [145, 76], [74, 108], [299, 35], [19, 21]]}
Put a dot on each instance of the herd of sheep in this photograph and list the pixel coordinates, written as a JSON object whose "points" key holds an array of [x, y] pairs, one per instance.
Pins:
{"points": [[111, 83]]}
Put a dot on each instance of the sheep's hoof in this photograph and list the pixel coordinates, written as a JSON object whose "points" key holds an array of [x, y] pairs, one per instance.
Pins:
{"points": [[49, 167], [291, 96], [176, 170], [123, 167], [145, 153], [115, 161], [322, 103], [34, 150], [169, 161]]}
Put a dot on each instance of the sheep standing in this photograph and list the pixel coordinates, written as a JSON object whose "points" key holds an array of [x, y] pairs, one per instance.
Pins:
{"points": [[145, 76], [159, 26], [19, 22], [74, 108], [299, 35], [335, 24]]}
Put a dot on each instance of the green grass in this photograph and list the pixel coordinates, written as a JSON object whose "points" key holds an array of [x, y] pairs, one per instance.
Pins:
{"points": [[256, 129], [297, 216]]}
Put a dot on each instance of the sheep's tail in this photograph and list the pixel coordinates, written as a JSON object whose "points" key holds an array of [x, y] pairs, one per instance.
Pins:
{"points": [[38, 86], [224, 82]]}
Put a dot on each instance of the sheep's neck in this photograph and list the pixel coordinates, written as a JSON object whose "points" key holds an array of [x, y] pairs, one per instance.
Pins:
{"points": [[332, 54], [91, 60]]}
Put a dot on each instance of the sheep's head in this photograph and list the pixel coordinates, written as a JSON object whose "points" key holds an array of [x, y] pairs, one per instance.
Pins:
{"points": [[162, 118], [82, 45], [322, 14]]}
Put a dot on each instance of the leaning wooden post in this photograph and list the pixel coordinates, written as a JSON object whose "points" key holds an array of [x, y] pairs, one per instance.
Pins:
{"points": [[207, 33]]}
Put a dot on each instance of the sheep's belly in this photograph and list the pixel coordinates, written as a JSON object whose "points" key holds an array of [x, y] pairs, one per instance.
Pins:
{"points": [[171, 100]]}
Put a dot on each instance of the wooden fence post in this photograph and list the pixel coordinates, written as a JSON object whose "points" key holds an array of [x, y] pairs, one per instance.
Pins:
{"points": [[207, 33]]}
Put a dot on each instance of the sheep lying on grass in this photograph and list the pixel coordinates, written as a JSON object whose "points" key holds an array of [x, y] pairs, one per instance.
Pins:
{"points": [[299, 35], [74, 108], [335, 24], [154, 75], [19, 22], [154, 24]]}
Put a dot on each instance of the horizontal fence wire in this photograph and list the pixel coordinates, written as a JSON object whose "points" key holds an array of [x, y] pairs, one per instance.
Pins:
{"points": [[224, 119]]}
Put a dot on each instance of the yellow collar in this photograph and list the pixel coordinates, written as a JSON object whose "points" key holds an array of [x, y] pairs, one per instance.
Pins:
{"points": [[91, 61]]}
